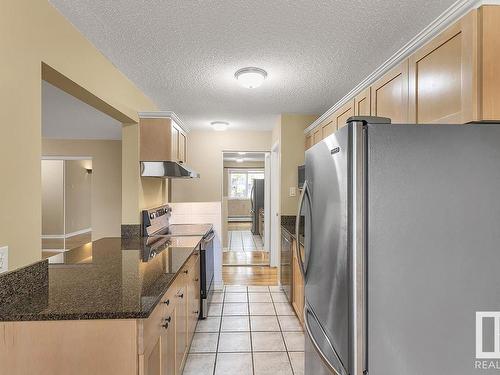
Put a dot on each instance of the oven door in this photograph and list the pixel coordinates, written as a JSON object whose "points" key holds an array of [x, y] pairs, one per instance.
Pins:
{"points": [[206, 272]]}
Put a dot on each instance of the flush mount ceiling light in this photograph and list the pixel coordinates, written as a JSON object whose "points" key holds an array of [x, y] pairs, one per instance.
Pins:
{"points": [[242, 153], [239, 160], [250, 77], [219, 125]]}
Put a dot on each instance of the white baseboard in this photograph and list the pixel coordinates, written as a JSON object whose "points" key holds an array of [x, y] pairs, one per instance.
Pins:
{"points": [[58, 236]]}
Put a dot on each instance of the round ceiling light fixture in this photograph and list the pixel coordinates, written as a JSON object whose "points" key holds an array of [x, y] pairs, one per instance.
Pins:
{"points": [[250, 77], [242, 153], [219, 125], [240, 160]]}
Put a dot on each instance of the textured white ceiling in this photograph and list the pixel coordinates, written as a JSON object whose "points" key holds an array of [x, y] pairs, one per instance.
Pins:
{"points": [[183, 54], [65, 117]]}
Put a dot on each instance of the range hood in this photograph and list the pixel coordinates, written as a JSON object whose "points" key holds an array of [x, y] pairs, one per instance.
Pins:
{"points": [[166, 169], [163, 145]]}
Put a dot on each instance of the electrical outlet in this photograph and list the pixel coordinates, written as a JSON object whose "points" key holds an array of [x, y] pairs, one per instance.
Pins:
{"points": [[4, 259], [293, 191]]}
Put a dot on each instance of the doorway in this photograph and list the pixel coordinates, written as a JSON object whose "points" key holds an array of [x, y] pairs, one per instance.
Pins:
{"points": [[66, 203], [246, 205]]}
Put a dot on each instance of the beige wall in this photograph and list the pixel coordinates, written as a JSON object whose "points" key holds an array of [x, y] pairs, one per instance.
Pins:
{"points": [[53, 197], [205, 156], [292, 151], [78, 193], [32, 32], [105, 206]]}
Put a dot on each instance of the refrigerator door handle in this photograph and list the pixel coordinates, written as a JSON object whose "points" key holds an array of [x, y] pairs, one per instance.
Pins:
{"points": [[305, 194], [335, 371]]}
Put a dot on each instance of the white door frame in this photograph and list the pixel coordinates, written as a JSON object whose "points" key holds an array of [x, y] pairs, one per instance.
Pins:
{"points": [[275, 206], [267, 201]]}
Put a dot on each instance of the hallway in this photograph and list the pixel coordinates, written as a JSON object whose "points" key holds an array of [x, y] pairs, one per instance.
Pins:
{"points": [[244, 248]]}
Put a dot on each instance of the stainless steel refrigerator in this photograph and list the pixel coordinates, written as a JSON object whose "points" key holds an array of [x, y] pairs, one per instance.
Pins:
{"points": [[402, 227], [257, 202]]}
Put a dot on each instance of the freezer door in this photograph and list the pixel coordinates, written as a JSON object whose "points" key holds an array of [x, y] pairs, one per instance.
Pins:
{"points": [[433, 247], [326, 249]]}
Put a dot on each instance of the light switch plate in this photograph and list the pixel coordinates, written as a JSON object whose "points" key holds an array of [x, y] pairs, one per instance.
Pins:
{"points": [[4, 259], [293, 191]]}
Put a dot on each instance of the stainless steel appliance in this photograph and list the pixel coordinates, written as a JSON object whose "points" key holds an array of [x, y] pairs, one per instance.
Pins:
{"points": [[301, 176], [286, 264], [257, 202], [401, 247], [156, 224]]}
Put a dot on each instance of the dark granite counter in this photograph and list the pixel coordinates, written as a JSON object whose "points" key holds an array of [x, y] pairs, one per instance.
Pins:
{"points": [[288, 224], [111, 278]]}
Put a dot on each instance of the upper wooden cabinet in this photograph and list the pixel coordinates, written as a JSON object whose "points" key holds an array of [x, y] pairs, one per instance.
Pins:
{"points": [[362, 102], [343, 113], [454, 79], [317, 135], [162, 139], [389, 95], [442, 75], [328, 127], [309, 140]]}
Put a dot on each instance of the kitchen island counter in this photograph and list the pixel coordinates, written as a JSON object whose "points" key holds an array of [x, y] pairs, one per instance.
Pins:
{"points": [[111, 278]]}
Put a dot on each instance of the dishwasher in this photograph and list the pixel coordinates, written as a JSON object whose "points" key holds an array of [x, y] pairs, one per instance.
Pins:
{"points": [[286, 264]]}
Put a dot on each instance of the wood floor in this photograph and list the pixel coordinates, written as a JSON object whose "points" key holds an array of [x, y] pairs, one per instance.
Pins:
{"points": [[250, 275]]}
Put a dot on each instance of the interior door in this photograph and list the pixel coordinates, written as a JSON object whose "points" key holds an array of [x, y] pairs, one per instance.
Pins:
{"points": [[326, 252]]}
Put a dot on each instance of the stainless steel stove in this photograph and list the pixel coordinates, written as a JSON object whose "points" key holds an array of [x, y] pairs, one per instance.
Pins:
{"points": [[156, 227]]}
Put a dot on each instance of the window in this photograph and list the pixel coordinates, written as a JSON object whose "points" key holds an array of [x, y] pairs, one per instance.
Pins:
{"points": [[241, 181]]}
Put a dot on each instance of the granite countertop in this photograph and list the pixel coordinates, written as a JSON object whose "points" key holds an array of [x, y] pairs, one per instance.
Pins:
{"points": [[288, 224], [111, 278]]}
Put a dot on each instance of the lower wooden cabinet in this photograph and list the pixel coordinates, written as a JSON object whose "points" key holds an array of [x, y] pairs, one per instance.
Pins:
{"points": [[297, 283], [170, 328]]}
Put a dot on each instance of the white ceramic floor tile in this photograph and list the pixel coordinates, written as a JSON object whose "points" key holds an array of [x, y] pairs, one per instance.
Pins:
{"points": [[271, 364], [215, 309], [262, 309], [218, 297], [236, 288], [267, 342], [235, 309], [275, 288], [236, 297], [210, 324], [264, 323], [232, 342], [199, 364], [294, 341], [284, 308], [279, 297], [235, 323], [289, 323], [298, 362], [234, 364], [204, 343], [259, 297], [258, 288]]}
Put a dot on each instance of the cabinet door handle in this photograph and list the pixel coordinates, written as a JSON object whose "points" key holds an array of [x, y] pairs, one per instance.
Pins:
{"points": [[186, 272], [167, 302], [165, 325], [180, 295], [196, 279], [169, 319], [196, 312]]}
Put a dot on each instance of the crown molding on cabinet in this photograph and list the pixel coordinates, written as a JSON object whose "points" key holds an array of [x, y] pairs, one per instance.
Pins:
{"points": [[450, 15], [165, 114]]}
